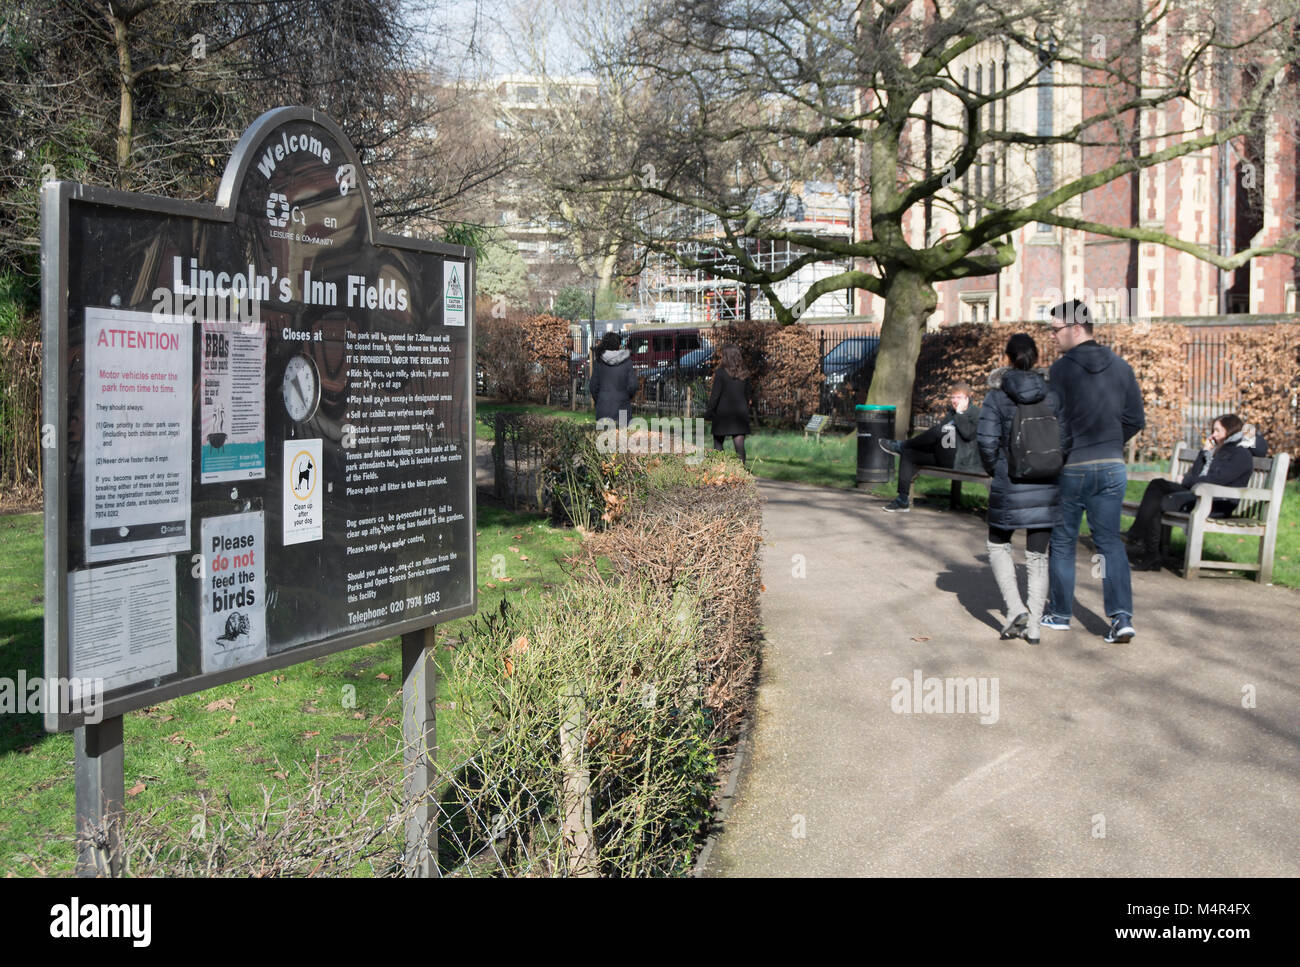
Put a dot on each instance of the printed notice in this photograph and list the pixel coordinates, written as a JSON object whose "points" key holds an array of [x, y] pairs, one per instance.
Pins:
{"points": [[303, 499], [234, 598], [138, 434], [233, 402], [122, 622], [453, 293]]}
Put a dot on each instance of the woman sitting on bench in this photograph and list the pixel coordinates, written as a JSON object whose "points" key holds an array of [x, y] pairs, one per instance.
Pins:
{"points": [[1227, 460]]}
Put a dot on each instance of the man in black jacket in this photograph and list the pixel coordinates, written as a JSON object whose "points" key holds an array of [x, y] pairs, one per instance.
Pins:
{"points": [[949, 443], [1102, 408]]}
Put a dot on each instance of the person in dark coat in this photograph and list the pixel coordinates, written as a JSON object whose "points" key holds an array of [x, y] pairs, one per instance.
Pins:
{"points": [[613, 380], [1228, 460], [1034, 506], [728, 407], [949, 443]]}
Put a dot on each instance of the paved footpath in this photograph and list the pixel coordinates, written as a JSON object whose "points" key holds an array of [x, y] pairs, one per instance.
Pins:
{"points": [[1104, 760]]}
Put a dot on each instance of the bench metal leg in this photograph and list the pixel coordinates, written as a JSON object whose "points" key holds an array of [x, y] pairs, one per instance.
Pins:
{"points": [[954, 496]]}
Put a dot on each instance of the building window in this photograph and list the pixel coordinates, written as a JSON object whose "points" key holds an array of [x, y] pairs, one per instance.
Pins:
{"points": [[1046, 121], [976, 307]]}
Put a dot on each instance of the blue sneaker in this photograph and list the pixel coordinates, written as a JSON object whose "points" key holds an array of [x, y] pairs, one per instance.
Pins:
{"points": [[1121, 630], [891, 446], [899, 505], [1054, 622]]}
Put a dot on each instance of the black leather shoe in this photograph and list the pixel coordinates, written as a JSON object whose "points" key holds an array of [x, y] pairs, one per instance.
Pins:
{"points": [[1016, 627]]}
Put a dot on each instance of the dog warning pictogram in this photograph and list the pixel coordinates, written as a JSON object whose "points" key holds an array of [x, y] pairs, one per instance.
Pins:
{"points": [[302, 494], [303, 478]]}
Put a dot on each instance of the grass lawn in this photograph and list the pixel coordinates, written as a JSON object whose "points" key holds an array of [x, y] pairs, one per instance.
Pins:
{"points": [[236, 738]]}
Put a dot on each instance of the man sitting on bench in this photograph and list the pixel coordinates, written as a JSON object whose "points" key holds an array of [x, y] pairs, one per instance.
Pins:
{"points": [[949, 444]]}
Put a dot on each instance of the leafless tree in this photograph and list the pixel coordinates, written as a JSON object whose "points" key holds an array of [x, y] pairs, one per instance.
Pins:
{"points": [[151, 95], [732, 105]]}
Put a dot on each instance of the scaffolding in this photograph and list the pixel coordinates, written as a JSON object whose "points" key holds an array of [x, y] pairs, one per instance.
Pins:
{"points": [[671, 293]]}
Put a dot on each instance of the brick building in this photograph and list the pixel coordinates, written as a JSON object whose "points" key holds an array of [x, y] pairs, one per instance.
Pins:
{"points": [[1226, 199]]}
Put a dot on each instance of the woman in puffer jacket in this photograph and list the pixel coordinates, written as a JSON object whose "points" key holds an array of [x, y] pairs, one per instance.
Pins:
{"points": [[1034, 506]]}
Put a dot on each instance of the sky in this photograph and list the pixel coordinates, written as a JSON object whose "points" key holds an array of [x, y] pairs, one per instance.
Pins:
{"points": [[492, 25]]}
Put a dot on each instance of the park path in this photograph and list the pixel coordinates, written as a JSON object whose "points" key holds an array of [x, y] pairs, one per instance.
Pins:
{"points": [[1104, 760]]}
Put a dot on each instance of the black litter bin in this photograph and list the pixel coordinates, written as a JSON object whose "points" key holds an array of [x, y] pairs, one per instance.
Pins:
{"points": [[875, 423]]}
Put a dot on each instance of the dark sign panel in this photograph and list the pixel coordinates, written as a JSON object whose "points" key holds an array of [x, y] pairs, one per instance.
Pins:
{"points": [[263, 419]]}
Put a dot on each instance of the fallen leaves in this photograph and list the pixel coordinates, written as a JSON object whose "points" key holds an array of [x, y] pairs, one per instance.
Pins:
{"points": [[220, 705], [138, 788]]}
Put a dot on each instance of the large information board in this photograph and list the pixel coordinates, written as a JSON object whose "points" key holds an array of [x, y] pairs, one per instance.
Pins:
{"points": [[261, 418]]}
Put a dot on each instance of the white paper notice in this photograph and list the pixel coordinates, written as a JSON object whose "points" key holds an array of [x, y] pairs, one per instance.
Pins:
{"points": [[453, 293], [303, 497], [137, 424], [232, 397], [234, 598], [122, 622]]}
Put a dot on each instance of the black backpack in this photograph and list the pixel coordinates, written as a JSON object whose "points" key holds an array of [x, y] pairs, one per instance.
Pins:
{"points": [[1034, 452]]}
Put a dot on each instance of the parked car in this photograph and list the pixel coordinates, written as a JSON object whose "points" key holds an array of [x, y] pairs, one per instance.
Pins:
{"points": [[848, 368], [657, 348], [671, 381]]}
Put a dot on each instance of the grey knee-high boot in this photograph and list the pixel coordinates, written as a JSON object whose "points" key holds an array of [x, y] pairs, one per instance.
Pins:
{"points": [[1036, 565], [1004, 572]]}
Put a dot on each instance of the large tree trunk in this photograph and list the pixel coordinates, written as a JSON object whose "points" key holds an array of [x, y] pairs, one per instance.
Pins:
{"points": [[909, 300], [605, 277]]}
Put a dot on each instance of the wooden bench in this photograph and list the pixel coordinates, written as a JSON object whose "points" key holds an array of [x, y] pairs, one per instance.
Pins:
{"points": [[1258, 508], [958, 477]]}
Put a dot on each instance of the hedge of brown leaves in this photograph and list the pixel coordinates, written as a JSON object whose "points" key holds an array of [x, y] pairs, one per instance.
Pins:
{"points": [[1266, 363], [522, 355], [784, 364]]}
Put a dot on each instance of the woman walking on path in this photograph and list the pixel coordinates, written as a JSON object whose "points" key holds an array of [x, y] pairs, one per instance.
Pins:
{"points": [[613, 380], [728, 407], [1032, 505]]}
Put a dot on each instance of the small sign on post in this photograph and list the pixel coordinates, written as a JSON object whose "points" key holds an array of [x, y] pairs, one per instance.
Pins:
{"points": [[816, 425]]}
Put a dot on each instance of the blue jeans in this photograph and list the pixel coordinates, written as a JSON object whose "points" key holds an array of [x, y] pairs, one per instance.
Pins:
{"points": [[1098, 490]]}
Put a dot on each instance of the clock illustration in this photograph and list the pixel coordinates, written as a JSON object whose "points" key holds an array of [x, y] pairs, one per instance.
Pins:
{"points": [[301, 388]]}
